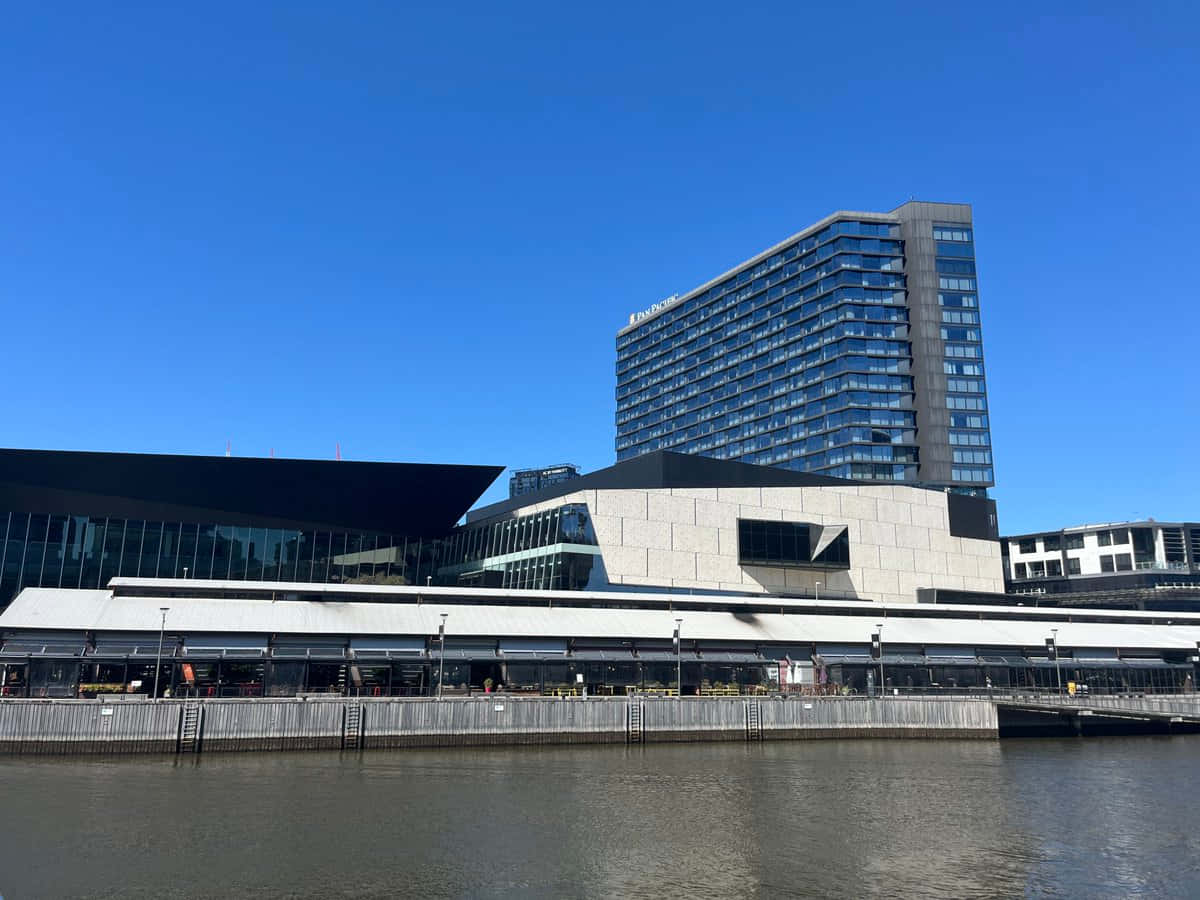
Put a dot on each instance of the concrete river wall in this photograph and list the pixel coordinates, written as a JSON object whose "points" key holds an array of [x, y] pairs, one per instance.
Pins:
{"points": [[177, 726]]}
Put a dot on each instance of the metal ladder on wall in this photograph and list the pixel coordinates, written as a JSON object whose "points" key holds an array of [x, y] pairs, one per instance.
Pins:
{"points": [[352, 720], [189, 728], [753, 720], [634, 735]]}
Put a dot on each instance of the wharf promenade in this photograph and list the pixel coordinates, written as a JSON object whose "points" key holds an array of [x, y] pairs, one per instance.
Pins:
{"points": [[106, 726]]}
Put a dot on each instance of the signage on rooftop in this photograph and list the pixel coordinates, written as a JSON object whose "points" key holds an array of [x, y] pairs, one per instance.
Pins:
{"points": [[655, 307]]}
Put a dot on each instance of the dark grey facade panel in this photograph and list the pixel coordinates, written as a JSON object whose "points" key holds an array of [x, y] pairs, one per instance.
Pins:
{"points": [[665, 469], [972, 517]]}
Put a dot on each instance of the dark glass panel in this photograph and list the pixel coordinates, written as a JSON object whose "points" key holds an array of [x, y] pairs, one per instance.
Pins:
{"points": [[290, 562], [73, 552], [205, 552], [189, 536], [168, 562], [323, 546], [56, 551], [152, 544], [35, 551], [272, 551], [222, 550], [131, 552], [239, 551]]}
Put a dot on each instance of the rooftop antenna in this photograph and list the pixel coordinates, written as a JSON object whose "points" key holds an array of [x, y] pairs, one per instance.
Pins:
{"points": [[229, 448], [337, 451], [272, 453]]}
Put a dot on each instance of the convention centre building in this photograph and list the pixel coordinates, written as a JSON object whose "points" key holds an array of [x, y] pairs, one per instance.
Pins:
{"points": [[667, 572]]}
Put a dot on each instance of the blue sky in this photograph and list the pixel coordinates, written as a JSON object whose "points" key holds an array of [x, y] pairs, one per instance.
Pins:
{"points": [[416, 231]]}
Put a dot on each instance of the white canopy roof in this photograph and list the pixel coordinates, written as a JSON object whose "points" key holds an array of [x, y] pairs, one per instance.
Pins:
{"points": [[94, 610]]}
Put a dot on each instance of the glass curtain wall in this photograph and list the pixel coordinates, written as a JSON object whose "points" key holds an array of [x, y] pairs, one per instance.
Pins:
{"points": [[39, 550], [525, 552], [802, 359]]}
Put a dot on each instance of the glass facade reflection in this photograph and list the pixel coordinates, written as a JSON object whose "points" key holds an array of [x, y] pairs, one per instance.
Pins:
{"points": [[40, 550], [804, 357], [550, 550]]}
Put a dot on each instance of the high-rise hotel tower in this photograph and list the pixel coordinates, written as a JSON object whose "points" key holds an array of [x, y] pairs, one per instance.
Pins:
{"points": [[852, 349]]}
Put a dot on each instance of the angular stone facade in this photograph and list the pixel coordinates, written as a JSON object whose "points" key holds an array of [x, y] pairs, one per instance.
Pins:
{"points": [[899, 536]]}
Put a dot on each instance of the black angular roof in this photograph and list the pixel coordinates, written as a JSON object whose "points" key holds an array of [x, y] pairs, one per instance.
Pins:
{"points": [[414, 499], [973, 517], [665, 469]]}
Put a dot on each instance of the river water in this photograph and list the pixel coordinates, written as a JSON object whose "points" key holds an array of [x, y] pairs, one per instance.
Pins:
{"points": [[1108, 817]]}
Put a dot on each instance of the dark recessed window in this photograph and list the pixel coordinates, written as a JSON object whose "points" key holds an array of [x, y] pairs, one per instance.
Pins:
{"points": [[1052, 542], [1104, 538], [1074, 542], [1106, 564], [1124, 562], [1019, 568], [1037, 570], [1073, 565], [774, 543], [1028, 545], [1054, 567]]}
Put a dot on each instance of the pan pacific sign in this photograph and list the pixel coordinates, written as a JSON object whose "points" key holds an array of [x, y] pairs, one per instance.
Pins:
{"points": [[655, 307]]}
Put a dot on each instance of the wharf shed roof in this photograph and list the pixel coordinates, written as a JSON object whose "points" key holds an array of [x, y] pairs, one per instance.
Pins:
{"points": [[80, 610], [168, 589]]}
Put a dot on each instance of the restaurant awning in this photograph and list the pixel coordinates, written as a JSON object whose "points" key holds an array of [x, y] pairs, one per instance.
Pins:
{"points": [[133, 645], [667, 656], [614, 655], [55, 643], [1012, 662], [734, 656], [227, 645], [903, 659], [388, 647], [533, 647]]}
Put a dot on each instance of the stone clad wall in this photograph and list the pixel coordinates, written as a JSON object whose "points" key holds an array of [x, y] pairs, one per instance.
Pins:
{"points": [[687, 538]]}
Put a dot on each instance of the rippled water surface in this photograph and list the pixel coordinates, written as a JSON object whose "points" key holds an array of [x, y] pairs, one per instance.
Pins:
{"points": [[1108, 817]]}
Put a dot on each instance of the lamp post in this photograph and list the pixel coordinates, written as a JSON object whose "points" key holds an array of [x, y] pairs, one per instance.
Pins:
{"points": [[442, 653], [1057, 665], [879, 635], [678, 658], [162, 627], [818, 591]]}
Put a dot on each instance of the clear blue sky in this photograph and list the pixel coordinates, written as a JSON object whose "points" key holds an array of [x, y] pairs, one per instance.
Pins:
{"points": [[416, 232]]}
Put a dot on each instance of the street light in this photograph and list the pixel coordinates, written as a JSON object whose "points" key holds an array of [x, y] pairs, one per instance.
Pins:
{"points": [[678, 659], [818, 591], [879, 635], [158, 659], [1057, 666], [442, 653]]}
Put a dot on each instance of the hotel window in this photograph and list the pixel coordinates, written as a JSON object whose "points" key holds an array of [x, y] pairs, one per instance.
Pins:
{"points": [[1019, 569], [1037, 569], [1054, 567], [1074, 541], [1120, 536], [1052, 542], [1073, 565], [951, 233], [1124, 562], [1106, 564], [1027, 545], [1104, 538]]}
